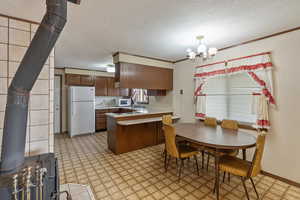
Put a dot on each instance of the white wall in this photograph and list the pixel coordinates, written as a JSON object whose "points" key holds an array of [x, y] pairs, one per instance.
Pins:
{"points": [[283, 144]]}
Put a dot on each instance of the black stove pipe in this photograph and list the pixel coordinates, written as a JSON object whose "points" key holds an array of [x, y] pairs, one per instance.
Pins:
{"points": [[15, 122]]}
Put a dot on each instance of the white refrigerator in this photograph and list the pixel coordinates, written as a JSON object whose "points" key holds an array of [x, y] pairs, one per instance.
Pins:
{"points": [[81, 103]]}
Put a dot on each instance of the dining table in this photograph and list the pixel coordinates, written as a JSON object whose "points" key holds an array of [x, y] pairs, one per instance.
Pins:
{"points": [[217, 138]]}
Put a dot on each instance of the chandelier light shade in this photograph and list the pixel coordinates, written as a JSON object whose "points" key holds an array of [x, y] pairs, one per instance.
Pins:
{"points": [[202, 50]]}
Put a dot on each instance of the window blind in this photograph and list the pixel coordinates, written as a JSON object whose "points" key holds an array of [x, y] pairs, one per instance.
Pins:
{"points": [[230, 97], [140, 96]]}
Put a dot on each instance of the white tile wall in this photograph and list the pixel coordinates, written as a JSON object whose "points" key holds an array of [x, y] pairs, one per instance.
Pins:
{"points": [[44, 73], [40, 87], [12, 68], [3, 21], [19, 25], [39, 102], [3, 69], [39, 117], [3, 34], [16, 53], [39, 147], [52, 73], [51, 118], [51, 129], [34, 27], [19, 37], [2, 102], [37, 133], [3, 86], [51, 98], [3, 52], [52, 62]]}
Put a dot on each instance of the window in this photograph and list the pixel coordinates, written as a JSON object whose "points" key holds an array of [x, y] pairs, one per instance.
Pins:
{"points": [[230, 97], [139, 96]]}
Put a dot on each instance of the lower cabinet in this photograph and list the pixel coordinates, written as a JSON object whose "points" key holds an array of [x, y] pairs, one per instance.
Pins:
{"points": [[160, 133], [101, 118]]}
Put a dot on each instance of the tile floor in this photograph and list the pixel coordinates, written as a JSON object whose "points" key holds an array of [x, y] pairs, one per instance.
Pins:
{"points": [[140, 174], [78, 191]]}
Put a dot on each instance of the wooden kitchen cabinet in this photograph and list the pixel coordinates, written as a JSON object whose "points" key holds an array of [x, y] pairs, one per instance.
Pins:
{"points": [[86, 80], [111, 89], [101, 86], [104, 86], [142, 76], [100, 119], [160, 133], [72, 79], [79, 80]]}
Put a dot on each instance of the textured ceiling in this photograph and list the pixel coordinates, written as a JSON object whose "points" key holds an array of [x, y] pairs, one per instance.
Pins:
{"points": [[156, 28]]}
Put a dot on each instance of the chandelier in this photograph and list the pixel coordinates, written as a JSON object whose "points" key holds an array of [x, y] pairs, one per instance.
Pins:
{"points": [[202, 50]]}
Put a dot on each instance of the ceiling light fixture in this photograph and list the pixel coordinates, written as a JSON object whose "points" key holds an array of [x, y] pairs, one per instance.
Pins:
{"points": [[202, 50]]}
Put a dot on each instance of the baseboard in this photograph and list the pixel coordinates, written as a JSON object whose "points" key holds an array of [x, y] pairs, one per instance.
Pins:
{"points": [[290, 182]]}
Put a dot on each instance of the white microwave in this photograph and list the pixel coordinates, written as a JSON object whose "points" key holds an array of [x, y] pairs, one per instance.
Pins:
{"points": [[124, 102]]}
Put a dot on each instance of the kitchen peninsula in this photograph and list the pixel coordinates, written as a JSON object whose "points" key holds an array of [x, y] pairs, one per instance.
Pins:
{"points": [[135, 130]]}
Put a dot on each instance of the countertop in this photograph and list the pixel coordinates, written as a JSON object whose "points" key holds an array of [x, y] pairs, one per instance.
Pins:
{"points": [[112, 107], [142, 121], [140, 111]]}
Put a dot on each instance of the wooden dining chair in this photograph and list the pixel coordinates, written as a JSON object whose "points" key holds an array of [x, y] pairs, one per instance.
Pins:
{"points": [[167, 119], [242, 168], [178, 151], [228, 124], [210, 121]]}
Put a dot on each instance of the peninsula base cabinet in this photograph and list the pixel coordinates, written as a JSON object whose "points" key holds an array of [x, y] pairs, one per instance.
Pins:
{"points": [[126, 138]]}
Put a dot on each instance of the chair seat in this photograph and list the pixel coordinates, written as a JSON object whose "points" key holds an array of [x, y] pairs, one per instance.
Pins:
{"points": [[187, 151], [234, 165], [223, 151]]}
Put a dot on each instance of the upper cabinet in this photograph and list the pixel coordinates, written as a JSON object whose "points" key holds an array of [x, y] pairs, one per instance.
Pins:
{"points": [[80, 80], [105, 86], [72, 79], [101, 86], [87, 80], [131, 75], [111, 89]]}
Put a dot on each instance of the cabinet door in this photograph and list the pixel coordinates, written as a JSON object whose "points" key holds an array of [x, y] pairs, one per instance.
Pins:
{"points": [[160, 133], [147, 77], [72, 79], [87, 80], [111, 90], [101, 86]]}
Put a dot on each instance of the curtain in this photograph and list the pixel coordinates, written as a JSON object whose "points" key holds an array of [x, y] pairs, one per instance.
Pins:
{"points": [[258, 67]]}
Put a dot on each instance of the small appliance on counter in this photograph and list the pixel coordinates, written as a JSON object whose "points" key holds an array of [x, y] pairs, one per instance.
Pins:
{"points": [[81, 110], [124, 102]]}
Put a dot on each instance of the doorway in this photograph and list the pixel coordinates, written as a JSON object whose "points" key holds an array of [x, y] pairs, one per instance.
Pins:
{"points": [[57, 104]]}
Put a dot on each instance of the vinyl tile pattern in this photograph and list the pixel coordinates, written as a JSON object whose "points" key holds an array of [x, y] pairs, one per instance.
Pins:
{"points": [[140, 174]]}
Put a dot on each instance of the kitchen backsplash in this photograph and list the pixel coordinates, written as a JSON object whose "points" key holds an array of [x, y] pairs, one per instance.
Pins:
{"points": [[106, 101]]}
